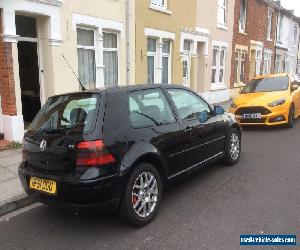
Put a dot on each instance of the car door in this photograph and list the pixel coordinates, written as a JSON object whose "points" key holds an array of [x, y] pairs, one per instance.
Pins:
{"points": [[153, 119], [204, 138]]}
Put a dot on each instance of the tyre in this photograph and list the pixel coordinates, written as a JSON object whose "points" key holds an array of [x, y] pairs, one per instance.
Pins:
{"points": [[290, 123], [142, 196], [233, 148]]}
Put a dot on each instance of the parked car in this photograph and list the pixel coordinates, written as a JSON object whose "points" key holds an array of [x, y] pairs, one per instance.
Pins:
{"points": [[117, 148], [269, 100]]}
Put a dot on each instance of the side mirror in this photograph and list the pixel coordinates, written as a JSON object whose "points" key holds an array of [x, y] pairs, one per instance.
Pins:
{"points": [[218, 110], [294, 87]]}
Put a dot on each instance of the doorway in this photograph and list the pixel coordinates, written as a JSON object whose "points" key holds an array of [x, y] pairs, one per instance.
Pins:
{"points": [[28, 67]]}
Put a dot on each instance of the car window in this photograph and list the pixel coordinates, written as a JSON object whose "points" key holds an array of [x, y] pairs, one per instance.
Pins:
{"points": [[279, 83], [189, 105], [73, 113], [149, 108]]}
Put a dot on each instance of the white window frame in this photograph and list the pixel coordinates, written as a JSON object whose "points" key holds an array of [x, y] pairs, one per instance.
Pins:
{"points": [[295, 35], [95, 48], [153, 54], [267, 62], [269, 27], [159, 35], [280, 28], [187, 57], [99, 24], [240, 59], [243, 29], [223, 8], [218, 66], [169, 56], [258, 61], [155, 5], [113, 49]]}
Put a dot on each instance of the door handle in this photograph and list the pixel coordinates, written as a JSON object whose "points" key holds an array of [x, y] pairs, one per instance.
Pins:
{"points": [[188, 129]]}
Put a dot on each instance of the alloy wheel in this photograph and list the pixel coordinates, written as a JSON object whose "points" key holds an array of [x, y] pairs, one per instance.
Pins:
{"points": [[145, 194], [234, 146]]}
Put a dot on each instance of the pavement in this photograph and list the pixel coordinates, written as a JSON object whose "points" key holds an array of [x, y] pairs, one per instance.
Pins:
{"points": [[12, 196], [208, 210]]}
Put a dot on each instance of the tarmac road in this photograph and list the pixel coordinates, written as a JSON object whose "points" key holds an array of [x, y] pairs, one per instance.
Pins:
{"points": [[208, 210]]}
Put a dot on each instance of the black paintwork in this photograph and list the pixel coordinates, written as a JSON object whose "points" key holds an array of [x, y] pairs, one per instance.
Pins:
{"points": [[174, 149]]}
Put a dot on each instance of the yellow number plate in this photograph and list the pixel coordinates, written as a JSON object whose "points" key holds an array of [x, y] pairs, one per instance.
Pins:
{"points": [[46, 186]]}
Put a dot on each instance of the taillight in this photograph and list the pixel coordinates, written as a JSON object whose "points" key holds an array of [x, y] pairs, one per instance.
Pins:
{"points": [[93, 154]]}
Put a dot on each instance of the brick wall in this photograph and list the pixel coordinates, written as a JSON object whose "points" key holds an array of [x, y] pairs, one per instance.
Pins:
{"points": [[7, 83], [256, 29]]}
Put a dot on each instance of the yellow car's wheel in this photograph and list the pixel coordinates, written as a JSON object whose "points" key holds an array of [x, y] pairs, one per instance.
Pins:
{"points": [[291, 117]]}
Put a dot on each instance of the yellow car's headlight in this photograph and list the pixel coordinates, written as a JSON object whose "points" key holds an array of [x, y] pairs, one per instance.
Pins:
{"points": [[277, 103], [233, 106]]}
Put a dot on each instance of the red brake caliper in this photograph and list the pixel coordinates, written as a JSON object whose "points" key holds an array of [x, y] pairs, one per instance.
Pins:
{"points": [[134, 199]]}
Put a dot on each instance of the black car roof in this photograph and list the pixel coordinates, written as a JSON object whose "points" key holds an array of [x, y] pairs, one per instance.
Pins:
{"points": [[124, 88]]}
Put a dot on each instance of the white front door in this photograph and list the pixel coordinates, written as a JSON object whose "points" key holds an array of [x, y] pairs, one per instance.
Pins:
{"points": [[186, 64]]}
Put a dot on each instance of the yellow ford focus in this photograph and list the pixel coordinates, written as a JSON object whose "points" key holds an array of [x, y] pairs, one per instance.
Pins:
{"points": [[269, 100]]}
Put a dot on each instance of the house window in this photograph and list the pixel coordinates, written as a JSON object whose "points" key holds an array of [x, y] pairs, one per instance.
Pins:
{"points": [[151, 59], [256, 58], [243, 13], [279, 29], [270, 16], [222, 12], [267, 62], [86, 57], [239, 66], [159, 3], [218, 65], [187, 45], [166, 62], [281, 64], [110, 58], [295, 36], [185, 69], [186, 62]]}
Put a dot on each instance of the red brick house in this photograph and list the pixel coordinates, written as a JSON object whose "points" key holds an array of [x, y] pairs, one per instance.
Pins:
{"points": [[7, 83], [254, 35]]}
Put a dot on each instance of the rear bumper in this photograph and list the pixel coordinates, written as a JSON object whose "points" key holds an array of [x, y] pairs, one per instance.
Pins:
{"points": [[100, 195]]}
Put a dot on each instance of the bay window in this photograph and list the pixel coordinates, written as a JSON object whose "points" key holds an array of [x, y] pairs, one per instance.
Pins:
{"points": [[86, 50]]}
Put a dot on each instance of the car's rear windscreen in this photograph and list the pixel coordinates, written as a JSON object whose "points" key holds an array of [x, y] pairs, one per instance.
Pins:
{"points": [[67, 113]]}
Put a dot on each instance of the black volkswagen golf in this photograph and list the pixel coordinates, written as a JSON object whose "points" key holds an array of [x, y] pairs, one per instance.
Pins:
{"points": [[115, 149]]}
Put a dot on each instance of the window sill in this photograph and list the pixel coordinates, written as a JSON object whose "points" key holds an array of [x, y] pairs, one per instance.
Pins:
{"points": [[238, 85], [270, 40], [160, 9], [243, 33], [217, 86], [222, 26]]}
